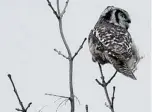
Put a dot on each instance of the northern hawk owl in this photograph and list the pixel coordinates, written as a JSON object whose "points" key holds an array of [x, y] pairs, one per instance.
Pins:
{"points": [[110, 42]]}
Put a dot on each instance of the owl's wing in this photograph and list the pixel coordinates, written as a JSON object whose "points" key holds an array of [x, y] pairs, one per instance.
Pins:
{"points": [[117, 41], [96, 48]]}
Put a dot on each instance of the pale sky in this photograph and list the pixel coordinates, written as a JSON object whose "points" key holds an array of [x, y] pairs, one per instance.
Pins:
{"points": [[29, 33]]}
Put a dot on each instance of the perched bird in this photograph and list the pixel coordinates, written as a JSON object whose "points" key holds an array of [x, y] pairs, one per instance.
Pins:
{"points": [[110, 42]]}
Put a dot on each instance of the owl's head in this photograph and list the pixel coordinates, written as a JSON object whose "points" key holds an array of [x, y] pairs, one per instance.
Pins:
{"points": [[116, 16]]}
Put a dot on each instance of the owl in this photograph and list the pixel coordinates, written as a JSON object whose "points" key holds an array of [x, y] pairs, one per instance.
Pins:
{"points": [[110, 42]]}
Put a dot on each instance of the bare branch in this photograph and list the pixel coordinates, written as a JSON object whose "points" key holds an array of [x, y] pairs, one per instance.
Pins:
{"points": [[104, 85], [58, 8], [61, 104], [64, 9], [102, 77], [64, 40], [66, 101], [58, 99], [99, 82], [57, 95], [77, 99], [18, 109], [113, 97], [42, 108], [55, 13], [28, 105], [59, 17], [111, 78], [81, 46], [15, 91], [72, 101], [60, 53], [20, 102], [86, 107], [107, 105]]}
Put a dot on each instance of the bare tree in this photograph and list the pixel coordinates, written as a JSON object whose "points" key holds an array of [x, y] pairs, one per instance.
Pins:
{"points": [[23, 109], [59, 15]]}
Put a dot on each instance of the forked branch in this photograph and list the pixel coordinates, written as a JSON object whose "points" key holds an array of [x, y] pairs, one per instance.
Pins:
{"points": [[60, 53], [55, 13], [23, 109], [104, 84], [59, 14], [64, 10]]}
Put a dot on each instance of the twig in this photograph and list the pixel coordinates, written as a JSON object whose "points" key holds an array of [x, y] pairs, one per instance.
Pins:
{"points": [[20, 102], [57, 95], [66, 101], [28, 106], [58, 8], [81, 46], [42, 108], [111, 78], [104, 85], [58, 99], [64, 9], [60, 53], [113, 96], [86, 107], [61, 104], [107, 105], [99, 82], [77, 99], [55, 13]]}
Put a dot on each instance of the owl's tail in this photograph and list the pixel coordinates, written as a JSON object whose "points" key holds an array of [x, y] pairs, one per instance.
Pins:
{"points": [[125, 70], [133, 77], [122, 66]]}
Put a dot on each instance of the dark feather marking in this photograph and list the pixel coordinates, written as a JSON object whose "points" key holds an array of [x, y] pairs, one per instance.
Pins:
{"points": [[116, 15], [108, 15]]}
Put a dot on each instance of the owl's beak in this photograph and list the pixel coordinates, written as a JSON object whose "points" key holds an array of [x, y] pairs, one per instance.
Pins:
{"points": [[128, 21]]}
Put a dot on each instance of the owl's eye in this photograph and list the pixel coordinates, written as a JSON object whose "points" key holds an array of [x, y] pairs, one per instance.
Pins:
{"points": [[123, 15]]}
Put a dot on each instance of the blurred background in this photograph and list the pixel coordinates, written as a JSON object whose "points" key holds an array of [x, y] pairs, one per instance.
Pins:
{"points": [[28, 34]]}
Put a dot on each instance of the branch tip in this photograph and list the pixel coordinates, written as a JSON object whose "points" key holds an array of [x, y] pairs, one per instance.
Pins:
{"points": [[54, 11], [64, 9], [99, 82], [86, 107], [57, 95], [18, 109], [9, 75], [113, 97], [61, 104], [17, 95], [60, 53], [77, 99], [28, 105]]}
